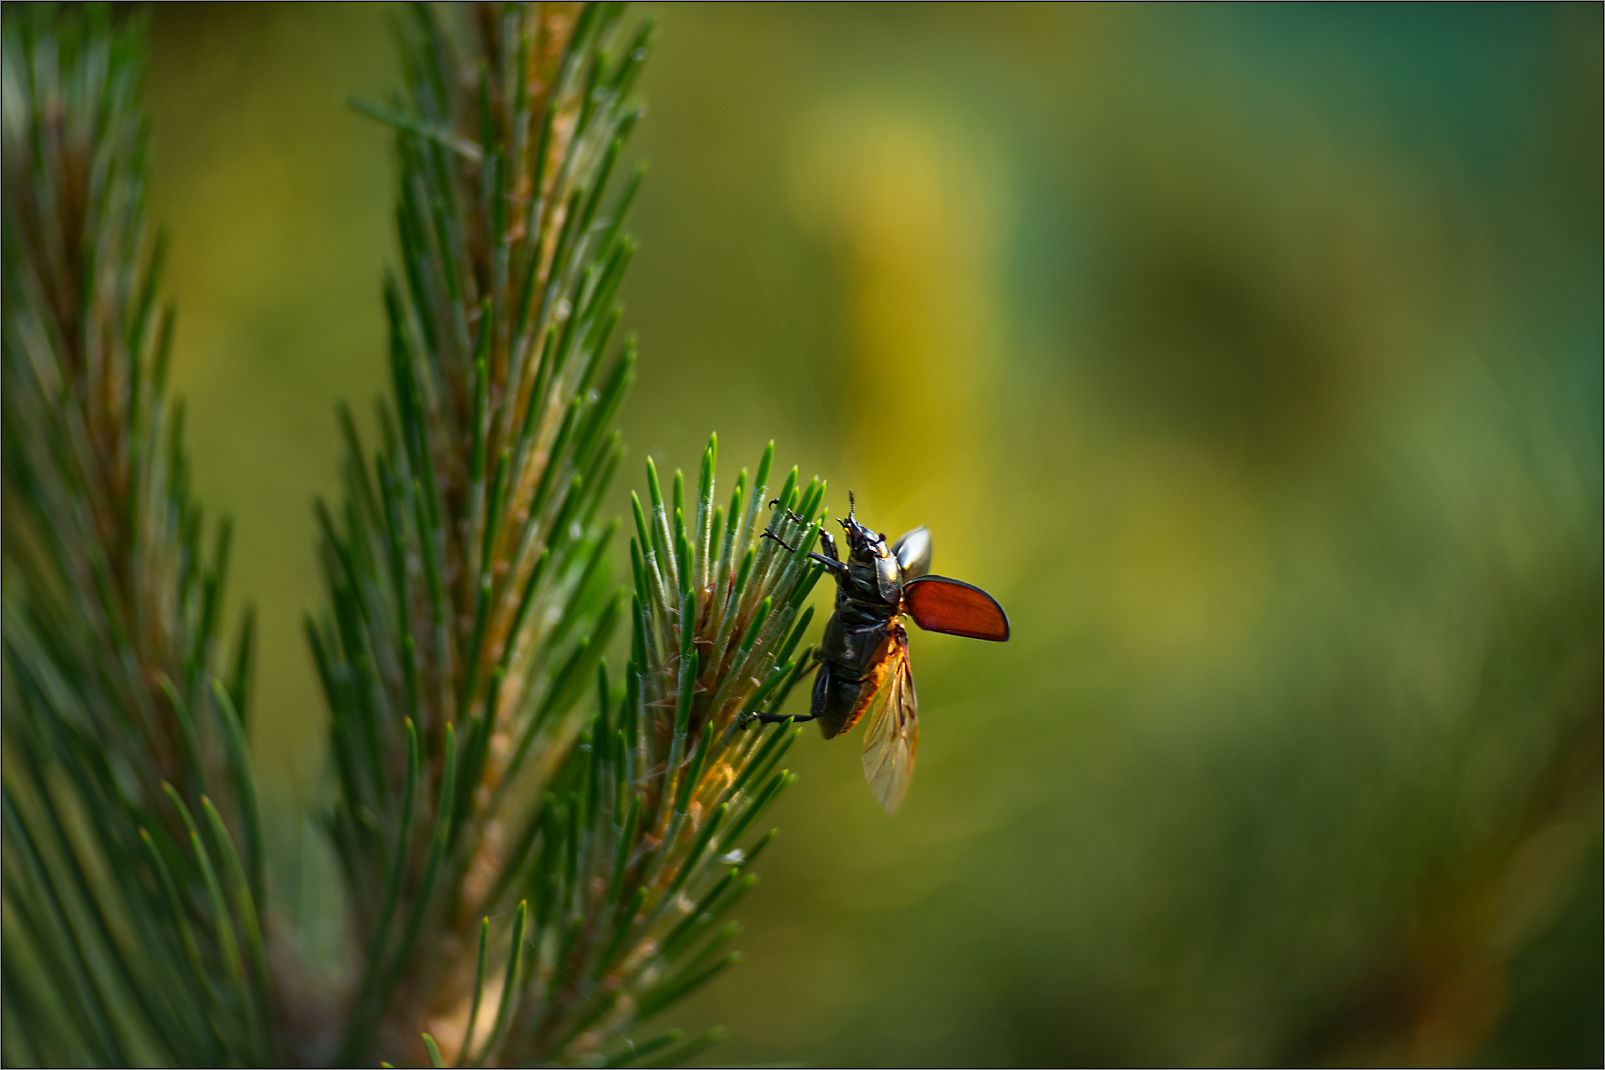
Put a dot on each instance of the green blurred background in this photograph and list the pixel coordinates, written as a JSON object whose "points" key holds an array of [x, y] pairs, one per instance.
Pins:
{"points": [[1250, 355]]}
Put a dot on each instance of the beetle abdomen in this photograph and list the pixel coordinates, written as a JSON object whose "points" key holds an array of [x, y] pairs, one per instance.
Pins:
{"points": [[836, 701], [850, 671]]}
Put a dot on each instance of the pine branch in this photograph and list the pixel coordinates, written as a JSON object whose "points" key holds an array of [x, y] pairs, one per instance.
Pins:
{"points": [[677, 772], [640, 848], [468, 580], [133, 860], [471, 601]]}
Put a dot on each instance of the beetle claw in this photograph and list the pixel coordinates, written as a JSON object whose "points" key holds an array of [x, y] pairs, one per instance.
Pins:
{"points": [[793, 516]]}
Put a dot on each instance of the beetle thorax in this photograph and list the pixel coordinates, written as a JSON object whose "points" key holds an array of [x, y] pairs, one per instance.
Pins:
{"points": [[860, 579]]}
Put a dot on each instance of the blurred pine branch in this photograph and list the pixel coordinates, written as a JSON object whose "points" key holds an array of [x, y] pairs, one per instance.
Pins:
{"points": [[133, 859]]}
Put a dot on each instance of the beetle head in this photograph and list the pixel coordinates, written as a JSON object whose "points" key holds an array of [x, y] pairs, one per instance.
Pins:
{"points": [[862, 543]]}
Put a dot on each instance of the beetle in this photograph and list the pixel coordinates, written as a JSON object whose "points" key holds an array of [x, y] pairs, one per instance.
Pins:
{"points": [[863, 659]]}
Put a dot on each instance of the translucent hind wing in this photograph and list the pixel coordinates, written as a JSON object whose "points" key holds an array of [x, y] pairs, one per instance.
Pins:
{"points": [[893, 733]]}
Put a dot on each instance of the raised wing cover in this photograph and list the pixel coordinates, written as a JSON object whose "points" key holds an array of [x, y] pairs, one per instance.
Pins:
{"points": [[953, 607]]}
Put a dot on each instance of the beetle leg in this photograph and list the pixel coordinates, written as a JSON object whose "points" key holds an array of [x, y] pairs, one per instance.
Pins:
{"points": [[772, 718], [833, 561], [829, 562], [777, 718], [777, 538], [788, 512]]}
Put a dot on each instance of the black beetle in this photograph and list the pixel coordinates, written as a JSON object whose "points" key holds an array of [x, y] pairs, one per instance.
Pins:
{"points": [[863, 658]]}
